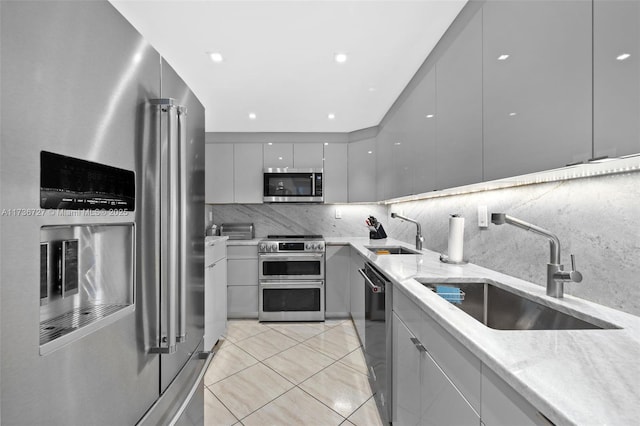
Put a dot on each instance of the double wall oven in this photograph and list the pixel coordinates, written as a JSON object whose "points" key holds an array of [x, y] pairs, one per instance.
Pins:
{"points": [[291, 274]]}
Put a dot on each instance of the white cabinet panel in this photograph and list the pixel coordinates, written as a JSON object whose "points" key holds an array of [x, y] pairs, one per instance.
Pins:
{"points": [[219, 173], [307, 155], [337, 283], [215, 293], [616, 85], [362, 170], [336, 173], [247, 173], [501, 405], [537, 101], [459, 104], [278, 155]]}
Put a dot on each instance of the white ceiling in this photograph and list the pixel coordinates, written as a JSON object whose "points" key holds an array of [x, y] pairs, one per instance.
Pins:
{"points": [[279, 56]]}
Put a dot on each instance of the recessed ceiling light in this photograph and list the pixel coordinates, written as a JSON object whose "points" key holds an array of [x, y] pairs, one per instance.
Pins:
{"points": [[252, 116], [396, 143], [372, 89], [331, 116], [216, 57], [503, 57], [513, 114], [369, 152], [340, 58], [429, 116], [623, 57], [279, 158]]}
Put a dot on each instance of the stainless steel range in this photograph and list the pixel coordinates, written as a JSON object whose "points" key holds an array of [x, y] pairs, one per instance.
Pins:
{"points": [[291, 274]]}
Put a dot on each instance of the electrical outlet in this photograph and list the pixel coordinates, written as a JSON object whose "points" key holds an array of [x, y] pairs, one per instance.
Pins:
{"points": [[483, 217], [338, 213]]}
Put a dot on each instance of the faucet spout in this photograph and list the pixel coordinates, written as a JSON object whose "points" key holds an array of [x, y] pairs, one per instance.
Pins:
{"points": [[556, 275], [419, 237]]}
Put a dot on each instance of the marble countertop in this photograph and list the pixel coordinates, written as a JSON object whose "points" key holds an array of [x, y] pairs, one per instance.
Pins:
{"points": [[571, 376], [252, 242]]}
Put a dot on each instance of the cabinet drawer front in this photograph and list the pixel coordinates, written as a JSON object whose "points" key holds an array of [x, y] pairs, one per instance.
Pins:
{"points": [[242, 252], [214, 253], [242, 302], [458, 363], [242, 272]]}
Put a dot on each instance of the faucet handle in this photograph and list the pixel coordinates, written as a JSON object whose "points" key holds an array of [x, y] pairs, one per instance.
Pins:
{"points": [[574, 275]]}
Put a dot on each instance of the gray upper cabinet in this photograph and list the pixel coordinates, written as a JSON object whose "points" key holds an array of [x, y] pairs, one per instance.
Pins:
{"points": [[278, 155], [362, 170], [336, 173], [537, 85], [459, 105], [247, 173], [219, 162], [616, 77], [307, 155]]}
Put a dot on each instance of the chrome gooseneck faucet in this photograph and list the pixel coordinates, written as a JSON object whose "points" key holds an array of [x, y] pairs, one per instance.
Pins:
{"points": [[419, 238], [556, 275]]}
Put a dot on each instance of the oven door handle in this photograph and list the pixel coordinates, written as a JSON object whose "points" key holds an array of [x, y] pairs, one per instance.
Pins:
{"points": [[289, 284], [291, 256], [374, 288]]}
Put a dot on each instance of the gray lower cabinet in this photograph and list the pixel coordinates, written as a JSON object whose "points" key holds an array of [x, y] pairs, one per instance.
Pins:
{"points": [[337, 282], [536, 85], [616, 81], [357, 292], [422, 392], [459, 109], [242, 281]]}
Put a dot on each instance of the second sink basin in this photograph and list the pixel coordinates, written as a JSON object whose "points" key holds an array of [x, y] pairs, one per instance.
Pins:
{"points": [[501, 309], [391, 250]]}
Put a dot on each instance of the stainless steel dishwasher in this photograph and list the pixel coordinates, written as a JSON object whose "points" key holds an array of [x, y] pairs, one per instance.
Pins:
{"points": [[377, 337]]}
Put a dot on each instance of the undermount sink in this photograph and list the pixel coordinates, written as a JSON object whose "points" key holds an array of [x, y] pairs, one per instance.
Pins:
{"points": [[392, 250], [501, 309]]}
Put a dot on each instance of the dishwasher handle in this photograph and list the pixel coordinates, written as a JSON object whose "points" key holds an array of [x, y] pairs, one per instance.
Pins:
{"points": [[374, 288]]}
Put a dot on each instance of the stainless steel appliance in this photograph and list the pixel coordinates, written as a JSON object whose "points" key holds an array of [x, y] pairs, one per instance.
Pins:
{"points": [[102, 175], [291, 275], [293, 185], [377, 337], [238, 231]]}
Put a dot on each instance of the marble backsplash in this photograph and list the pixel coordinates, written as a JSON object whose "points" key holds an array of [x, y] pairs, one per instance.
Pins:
{"points": [[597, 219]]}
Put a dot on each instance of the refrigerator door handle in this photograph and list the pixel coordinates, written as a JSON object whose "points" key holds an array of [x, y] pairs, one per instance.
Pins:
{"points": [[170, 223], [181, 177]]}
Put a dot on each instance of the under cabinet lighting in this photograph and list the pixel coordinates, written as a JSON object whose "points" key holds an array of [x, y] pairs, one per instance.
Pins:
{"points": [[623, 57], [269, 143], [216, 57], [503, 57], [326, 143]]}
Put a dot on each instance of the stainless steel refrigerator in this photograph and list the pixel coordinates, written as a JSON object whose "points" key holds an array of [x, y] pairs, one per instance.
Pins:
{"points": [[102, 194]]}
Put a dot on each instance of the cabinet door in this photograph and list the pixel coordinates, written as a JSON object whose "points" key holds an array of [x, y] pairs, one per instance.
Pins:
{"points": [[406, 378], [337, 283], [616, 81], [384, 166], [218, 173], [278, 155], [307, 155], [442, 404], [459, 104], [362, 170], [248, 173], [335, 173], [357, 293], [242, 301], [423, 133], [537, 100], [219, 314]]}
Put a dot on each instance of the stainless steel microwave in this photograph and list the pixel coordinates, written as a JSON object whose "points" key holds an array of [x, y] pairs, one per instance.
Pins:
{"points": [[293, 186]]}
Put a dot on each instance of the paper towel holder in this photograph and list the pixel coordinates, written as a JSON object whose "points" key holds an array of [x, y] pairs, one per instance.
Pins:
{"points": [[445, 259]]}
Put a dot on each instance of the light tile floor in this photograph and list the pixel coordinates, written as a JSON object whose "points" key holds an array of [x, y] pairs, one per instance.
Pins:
{"points": [[289, 374]]}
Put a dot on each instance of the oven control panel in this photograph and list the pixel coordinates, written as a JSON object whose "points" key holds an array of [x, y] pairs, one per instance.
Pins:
{"points": [[291, 247]]}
